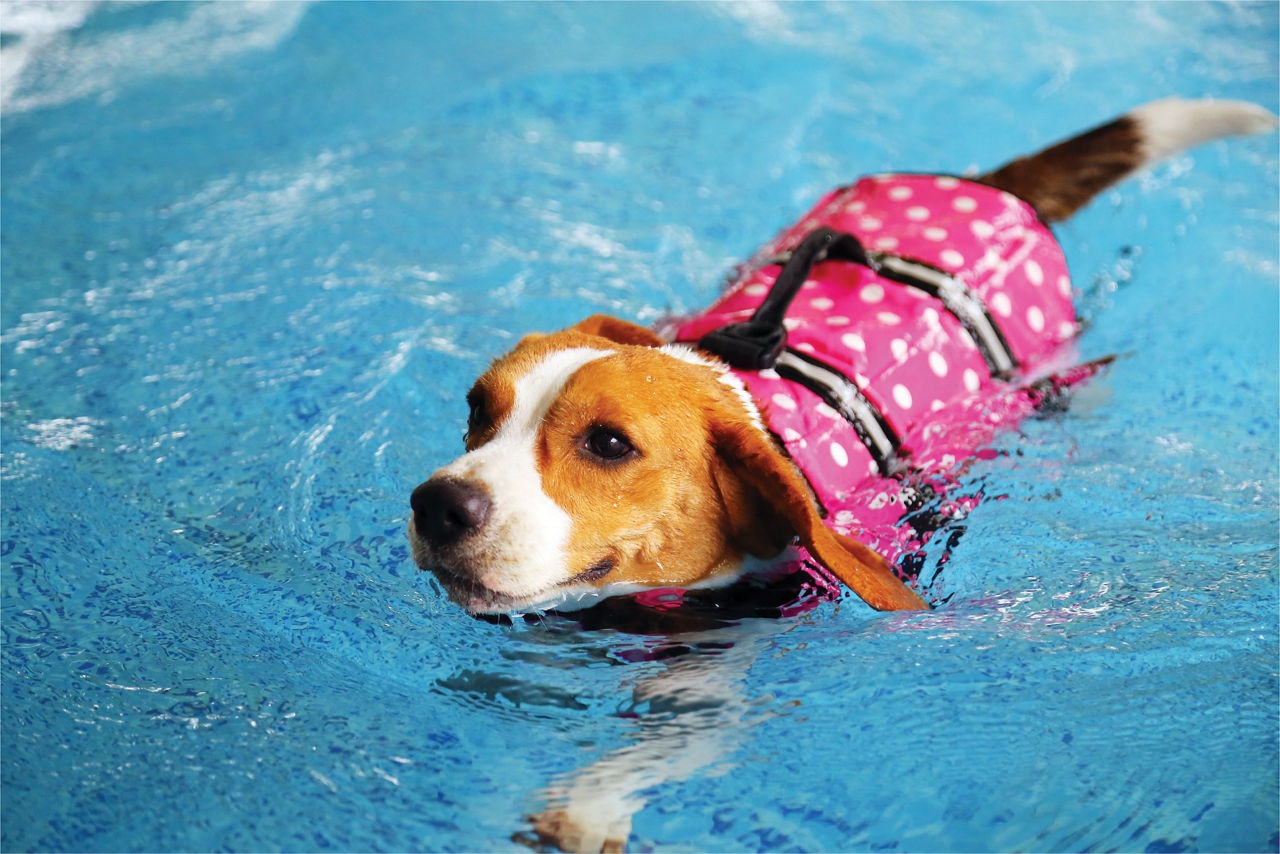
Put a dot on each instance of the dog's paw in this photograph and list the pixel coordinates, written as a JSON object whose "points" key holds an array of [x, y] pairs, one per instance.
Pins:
{"points": [[570, 831]]}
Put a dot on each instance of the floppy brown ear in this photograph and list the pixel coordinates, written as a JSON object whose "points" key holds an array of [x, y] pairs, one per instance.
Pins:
{"points": [[755, 459], [618, 331]]}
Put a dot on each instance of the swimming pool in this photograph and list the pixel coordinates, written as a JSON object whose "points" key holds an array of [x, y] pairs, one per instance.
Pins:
{"points": [[254, 255]]}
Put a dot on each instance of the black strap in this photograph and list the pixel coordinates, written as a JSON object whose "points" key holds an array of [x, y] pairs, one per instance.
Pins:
{"points": [[761, 342], [756, 344]]}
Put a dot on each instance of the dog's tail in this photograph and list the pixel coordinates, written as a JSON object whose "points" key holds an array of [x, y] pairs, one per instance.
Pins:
{"points": [[1062, 179]]}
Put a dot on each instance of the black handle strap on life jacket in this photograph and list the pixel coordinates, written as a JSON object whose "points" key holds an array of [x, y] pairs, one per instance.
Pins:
{"points": [[761, 342], [755, 344]]}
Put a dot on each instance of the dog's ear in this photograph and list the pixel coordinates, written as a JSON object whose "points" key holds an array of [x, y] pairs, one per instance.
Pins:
{"points": [[618, 331], [752, 456]]}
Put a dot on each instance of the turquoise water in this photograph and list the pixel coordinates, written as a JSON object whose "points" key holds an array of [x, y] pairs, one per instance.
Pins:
{"points": [[253, 257]]}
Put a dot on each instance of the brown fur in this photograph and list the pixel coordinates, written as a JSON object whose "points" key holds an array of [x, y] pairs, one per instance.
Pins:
{"points": [[708, 485], [707, 488], [760, 464], [1060, 180]]}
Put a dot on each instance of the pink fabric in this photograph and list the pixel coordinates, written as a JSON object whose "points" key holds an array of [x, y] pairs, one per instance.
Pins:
{"points": [[910, 357]]}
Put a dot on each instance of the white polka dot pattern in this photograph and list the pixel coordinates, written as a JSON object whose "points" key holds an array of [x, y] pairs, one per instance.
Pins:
{"points": [[938, 364], [1035, 275], [910, 357], [839, 454]]}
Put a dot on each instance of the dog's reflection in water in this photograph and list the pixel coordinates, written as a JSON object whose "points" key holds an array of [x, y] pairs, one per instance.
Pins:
{"points": [[686, 713]]}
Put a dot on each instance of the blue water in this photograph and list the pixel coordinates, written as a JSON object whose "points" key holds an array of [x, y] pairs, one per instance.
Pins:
{"points": [[253, 257]]}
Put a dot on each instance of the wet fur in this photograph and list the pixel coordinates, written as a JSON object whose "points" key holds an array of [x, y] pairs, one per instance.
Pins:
{"points": [[708, 485]]}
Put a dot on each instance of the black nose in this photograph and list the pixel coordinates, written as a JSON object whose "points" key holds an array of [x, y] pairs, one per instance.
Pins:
{"points": [[445, 511]]}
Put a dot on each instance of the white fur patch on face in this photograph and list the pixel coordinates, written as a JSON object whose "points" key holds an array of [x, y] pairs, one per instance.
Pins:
{"points": [[523, 544], [685, 353]]}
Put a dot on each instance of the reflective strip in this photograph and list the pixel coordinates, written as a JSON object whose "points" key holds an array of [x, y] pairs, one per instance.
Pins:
{"points": [[838, 392], [957, 299]]}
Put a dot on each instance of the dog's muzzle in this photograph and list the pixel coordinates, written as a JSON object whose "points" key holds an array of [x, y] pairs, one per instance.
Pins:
{"points": [[447, 511]]}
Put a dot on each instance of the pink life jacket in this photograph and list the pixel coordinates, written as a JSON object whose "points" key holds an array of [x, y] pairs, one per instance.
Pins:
{"points": [[947, 329]]}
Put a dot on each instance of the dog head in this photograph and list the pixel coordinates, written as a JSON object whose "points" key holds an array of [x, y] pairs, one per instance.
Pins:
{"points": [[602, 460]]}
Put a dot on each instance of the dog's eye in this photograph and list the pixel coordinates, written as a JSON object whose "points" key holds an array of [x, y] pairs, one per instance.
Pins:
{"points": [[607, 445], [477, 418]]}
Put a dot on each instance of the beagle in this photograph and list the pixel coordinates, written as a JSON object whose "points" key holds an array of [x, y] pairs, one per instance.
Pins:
{"points": [[877, 335]]}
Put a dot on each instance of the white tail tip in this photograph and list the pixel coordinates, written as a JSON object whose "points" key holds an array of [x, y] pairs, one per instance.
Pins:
{"points": [[1172, 124]]}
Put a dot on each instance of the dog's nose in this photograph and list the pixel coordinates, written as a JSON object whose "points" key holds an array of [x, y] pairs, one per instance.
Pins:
{"points": [[445, 511]]}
